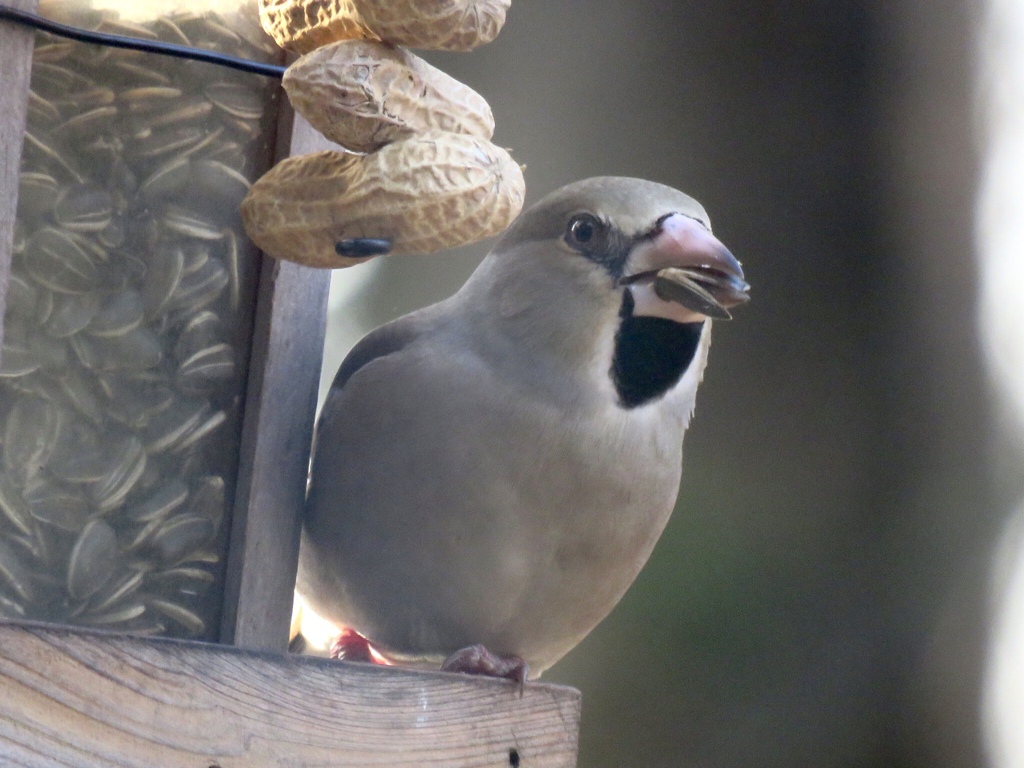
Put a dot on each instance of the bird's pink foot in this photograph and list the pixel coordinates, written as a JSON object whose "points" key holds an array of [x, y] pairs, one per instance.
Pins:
{"points": [[351, 646], [477, 660]]}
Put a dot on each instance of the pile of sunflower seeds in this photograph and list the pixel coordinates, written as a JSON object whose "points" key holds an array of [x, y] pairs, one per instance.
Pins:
{"points": [[127, 329]]}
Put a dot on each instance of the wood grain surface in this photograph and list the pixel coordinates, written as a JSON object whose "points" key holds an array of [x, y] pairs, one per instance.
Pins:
{"points": [[89, 699], [15, 71]]}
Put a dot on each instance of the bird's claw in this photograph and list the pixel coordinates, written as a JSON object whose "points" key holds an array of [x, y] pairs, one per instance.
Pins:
{"points": [[351, 646], [477, 660]]}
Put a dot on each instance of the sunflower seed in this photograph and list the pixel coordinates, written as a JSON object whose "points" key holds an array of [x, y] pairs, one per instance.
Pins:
{"points": [[219, 182], [44, 306], [191, 621], [183, 575], [229, 153], [233, 263], [52, 52], [129, 461], [181, 535], [160, 504], [136, 350], [81, 393], [200, 289], [97, 96], [206, 367], [212, 32], [203, 330], [163, 276], [196, 256], [124, 313], [18, 238], [118, 26], [202, 431], [191, 111], [51, 157], [141, 539], [189, 223], [209, 139], [112, 235], [135, 403], [21, 297], [116, 615], [151, 98], [17, 360], [169, 179], [173, 424], [30, 436], [129, 71], [248, 130], [41, 112], [10, 608], [71, 313], [203, 556], [208, 499], [179, 142], [115, 591], [13, 506], [98, 120], [37, 193], [168, 30], [679, 285], [91, 246], [56, 262], [55, 81], [14, 574], [93, 559], [84, 208], [236, 99], [80, 457], [60, 508]]}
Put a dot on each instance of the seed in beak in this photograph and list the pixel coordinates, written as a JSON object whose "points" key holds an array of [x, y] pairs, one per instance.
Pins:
{"points": [[683, 287]]}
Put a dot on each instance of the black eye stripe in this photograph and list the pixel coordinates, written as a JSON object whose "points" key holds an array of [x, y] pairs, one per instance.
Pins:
{"points": [[598, 241]]}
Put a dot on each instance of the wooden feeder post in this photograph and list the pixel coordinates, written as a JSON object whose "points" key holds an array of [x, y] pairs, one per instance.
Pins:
{"points": [[16, 64], [276, 435], [71, 696]]}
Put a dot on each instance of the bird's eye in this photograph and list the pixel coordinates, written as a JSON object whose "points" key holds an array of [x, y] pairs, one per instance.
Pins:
{"points": [[583, 230]]}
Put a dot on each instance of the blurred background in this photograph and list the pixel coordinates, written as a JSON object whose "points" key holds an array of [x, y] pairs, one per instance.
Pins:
{"points": [[836, 587]]}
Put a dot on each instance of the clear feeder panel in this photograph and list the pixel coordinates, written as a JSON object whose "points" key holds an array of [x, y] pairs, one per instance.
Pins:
{"points": [[128, 322]]}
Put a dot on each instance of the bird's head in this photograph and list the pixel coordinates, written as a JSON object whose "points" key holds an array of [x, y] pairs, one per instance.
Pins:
{"points": [[579, 273]]}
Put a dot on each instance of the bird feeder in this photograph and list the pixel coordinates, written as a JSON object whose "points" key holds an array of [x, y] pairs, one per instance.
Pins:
{"points": [[157, 392]]}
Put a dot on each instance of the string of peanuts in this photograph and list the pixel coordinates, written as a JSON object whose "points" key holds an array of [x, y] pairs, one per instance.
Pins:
{"points": [[420, 173]]}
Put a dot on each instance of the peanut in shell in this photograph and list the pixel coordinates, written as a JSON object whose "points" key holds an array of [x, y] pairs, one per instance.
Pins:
{"points": [[364, 94], [425, 193], [451, 25], [303, 25], [445, 25]]}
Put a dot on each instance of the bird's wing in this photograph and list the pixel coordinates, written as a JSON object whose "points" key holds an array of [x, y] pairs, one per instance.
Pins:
{"points": [[385, 340]]}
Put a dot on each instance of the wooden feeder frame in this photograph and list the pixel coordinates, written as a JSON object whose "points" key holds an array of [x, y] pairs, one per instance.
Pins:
{"points": [[84, 698]]}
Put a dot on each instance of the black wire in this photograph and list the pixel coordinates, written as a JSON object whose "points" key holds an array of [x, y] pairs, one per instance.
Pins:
{"points": [[132, 43]]}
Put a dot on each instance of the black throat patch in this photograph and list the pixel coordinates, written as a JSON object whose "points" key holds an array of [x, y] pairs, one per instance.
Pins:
{"points": [[651, 355]]}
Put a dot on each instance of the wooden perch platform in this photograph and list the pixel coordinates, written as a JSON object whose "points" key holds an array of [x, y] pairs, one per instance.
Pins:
{"points": [[84, 699]]}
